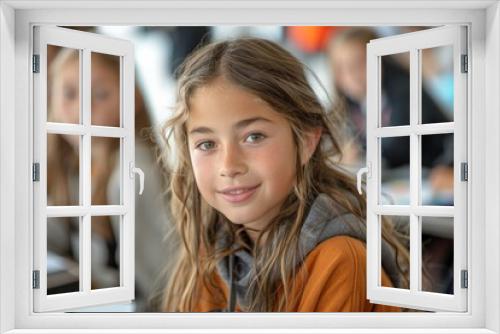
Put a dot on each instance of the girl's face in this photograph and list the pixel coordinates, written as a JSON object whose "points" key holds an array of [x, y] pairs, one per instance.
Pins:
{"points": [[242, 152]]}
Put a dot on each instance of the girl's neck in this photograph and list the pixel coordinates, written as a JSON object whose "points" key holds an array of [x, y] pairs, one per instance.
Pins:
{"points": [[254, 235]]}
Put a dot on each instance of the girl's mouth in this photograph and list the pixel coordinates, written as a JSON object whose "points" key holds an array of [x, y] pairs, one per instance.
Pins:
{"points": [[237, 195]]}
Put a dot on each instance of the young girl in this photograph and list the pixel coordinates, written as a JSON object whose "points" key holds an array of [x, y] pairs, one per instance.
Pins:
{"points": [[268, 219]]}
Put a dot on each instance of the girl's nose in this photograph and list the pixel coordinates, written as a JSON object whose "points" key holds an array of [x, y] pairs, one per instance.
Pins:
{"points": [[232, 163]]}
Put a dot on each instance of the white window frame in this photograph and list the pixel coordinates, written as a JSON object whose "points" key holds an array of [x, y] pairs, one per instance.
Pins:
{"points": [[85, 44], [16, 20]]}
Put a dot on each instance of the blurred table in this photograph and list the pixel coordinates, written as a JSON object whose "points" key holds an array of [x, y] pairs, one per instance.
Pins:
{"points": [[62, 274]]}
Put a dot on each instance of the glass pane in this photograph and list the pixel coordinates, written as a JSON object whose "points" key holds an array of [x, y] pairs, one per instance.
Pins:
{"points": [[437, 89], [63, 255], [437, 254], [437, 169], [105, 90], [395, 88], [63, 169], [395, 171], [105, 251], [63, 85], [105, 171], [399, 227]]}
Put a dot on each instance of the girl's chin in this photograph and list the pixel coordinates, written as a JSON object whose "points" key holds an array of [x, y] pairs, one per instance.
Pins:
{"points": [[240, 219]]}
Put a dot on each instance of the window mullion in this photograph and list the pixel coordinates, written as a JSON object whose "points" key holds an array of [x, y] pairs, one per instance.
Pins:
{"points": [[419, 129], [105, 131], [108, 210], [422, 210], [415, 244], [85, 240]]}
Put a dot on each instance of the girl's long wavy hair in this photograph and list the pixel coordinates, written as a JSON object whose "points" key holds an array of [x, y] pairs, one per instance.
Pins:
{"points": [[268, 71]]}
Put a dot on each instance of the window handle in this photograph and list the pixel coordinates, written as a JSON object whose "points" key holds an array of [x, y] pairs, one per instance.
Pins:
{"points": [[136, 170], [365, 170]]}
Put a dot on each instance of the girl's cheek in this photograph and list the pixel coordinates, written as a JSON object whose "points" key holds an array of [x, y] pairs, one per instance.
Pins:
{"points": [[278, 162], [276, 154], [201, 168]]}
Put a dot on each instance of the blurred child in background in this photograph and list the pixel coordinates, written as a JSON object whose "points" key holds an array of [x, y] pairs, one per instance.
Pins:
{"points": [[347, 58]]}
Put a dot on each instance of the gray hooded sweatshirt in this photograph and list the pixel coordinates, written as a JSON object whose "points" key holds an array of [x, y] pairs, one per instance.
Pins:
{"points": [[325, 220]]}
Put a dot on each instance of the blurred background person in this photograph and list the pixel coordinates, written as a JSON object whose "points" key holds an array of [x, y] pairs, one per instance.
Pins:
{"points": [[347, 58], [152, 218], [437, 71]]}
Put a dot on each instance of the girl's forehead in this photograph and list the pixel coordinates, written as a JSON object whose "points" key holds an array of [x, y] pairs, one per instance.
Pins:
{"points": [[222, 103], [220, 95]]}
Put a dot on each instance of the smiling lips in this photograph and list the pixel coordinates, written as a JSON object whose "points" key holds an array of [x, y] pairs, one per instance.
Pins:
{"points": [[238, 194]]}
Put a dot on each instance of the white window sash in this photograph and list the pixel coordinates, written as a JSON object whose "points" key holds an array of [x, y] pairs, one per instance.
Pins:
{"points": [[414, 297], [86, 43]]}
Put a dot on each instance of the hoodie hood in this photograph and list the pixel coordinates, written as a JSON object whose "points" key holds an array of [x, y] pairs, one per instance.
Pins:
{"points": [[326, 219]]}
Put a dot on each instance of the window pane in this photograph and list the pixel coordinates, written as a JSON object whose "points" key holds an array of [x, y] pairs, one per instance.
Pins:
{"points": [[106, 171], [437, 89], [399, 227], [395, 87], [437, 169], [63, 169], [63, 255], [63, 85], [395, 171], [105, 251], [437, 254], [105, 90]]}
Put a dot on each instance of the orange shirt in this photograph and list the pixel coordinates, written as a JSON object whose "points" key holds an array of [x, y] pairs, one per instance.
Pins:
{"points": [[336, 281]]}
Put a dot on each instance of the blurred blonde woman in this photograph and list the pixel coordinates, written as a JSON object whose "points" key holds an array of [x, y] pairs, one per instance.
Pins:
{"points": [[152, 221]]}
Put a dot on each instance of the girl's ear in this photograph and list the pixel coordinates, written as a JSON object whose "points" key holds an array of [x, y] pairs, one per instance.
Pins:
{"points": [[311, 142]]}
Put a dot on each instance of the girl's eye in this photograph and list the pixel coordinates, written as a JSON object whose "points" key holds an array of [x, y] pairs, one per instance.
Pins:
{"points": [[206, 145], [255, 137]]}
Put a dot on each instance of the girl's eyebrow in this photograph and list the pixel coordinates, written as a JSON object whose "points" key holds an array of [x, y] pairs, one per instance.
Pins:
{"points": [[241, 124]]}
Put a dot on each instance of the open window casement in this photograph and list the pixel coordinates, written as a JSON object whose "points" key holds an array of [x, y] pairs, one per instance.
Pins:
{"points": [[415, 210], [84, 130]]}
